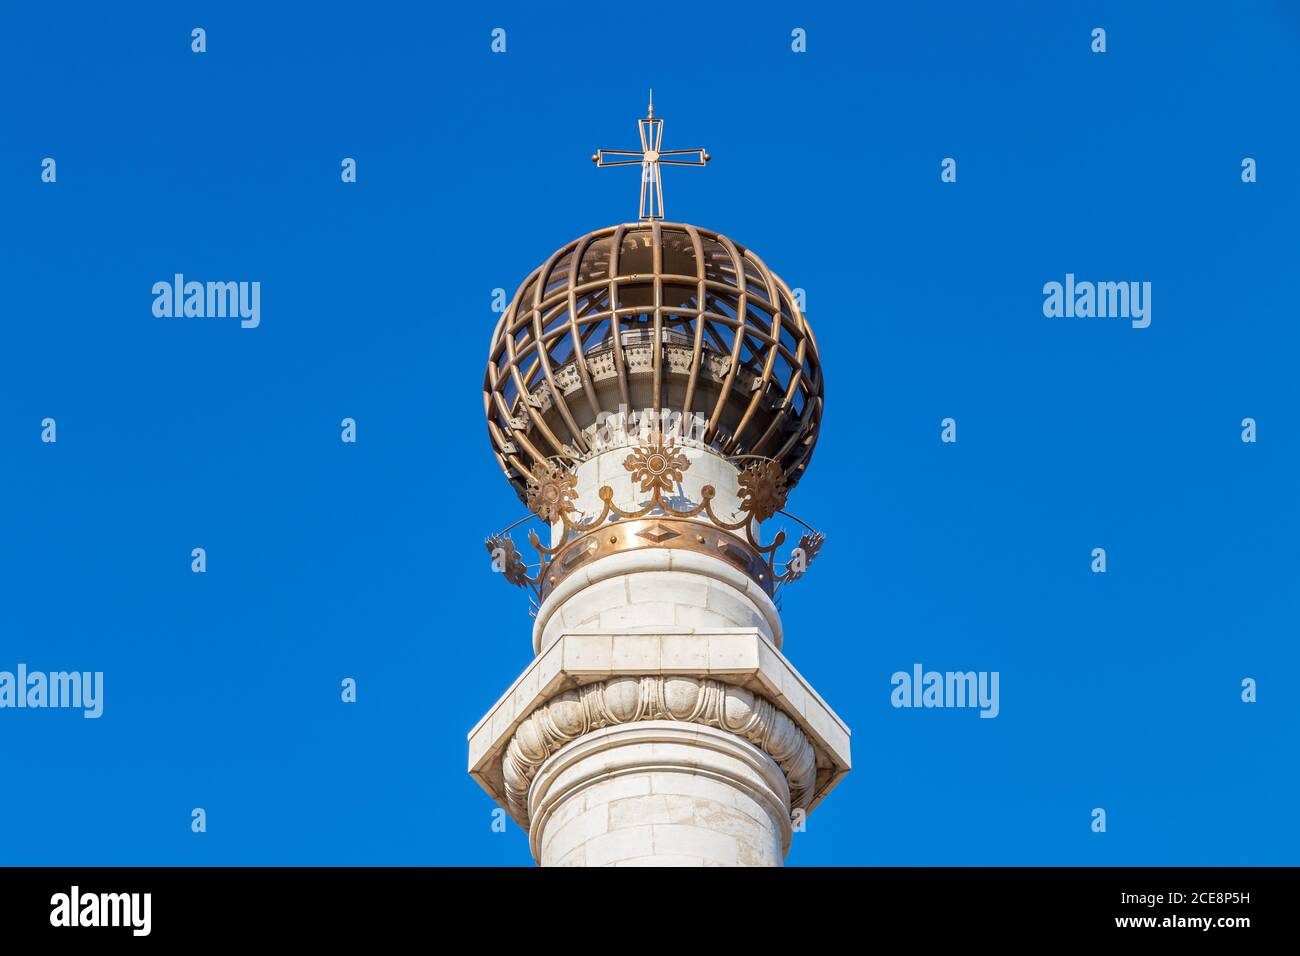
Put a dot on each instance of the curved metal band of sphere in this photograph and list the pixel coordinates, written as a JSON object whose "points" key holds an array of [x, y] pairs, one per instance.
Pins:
{"points": [[660, 316]]}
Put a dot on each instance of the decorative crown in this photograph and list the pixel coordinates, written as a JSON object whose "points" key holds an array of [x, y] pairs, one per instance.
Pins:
{"points": [[655, 464]]}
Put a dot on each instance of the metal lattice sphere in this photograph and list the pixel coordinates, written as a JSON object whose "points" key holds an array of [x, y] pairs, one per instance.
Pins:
{"points": [[659, 316]]}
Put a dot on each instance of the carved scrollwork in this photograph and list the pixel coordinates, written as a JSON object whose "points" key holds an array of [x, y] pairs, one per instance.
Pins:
{"points": [[622, 700]]}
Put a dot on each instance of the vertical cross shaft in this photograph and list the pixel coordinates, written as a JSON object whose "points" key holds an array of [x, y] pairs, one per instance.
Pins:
{"points": [[650, 157]]}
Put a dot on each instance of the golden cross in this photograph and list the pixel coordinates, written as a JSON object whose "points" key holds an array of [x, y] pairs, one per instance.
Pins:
{"points": [[650, 156]]}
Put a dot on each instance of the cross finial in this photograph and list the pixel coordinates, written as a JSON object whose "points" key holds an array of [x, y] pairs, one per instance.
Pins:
{"points": [[649, 158]]}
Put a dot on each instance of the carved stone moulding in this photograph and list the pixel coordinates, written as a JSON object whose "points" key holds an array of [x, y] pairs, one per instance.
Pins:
{"points": [[636, 674], [575, 713]]}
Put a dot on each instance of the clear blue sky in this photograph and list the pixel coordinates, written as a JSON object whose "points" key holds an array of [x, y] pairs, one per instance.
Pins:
{"points": [[328, 560]]}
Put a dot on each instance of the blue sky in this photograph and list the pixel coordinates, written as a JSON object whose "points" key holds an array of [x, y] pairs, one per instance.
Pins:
{"points": [[328, 560]]}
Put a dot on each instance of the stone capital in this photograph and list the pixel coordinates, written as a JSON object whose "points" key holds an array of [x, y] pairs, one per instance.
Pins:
{"points": [[734, 680]]}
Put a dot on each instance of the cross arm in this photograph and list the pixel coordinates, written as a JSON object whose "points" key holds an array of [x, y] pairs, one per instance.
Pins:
{"points": [[698, 157], [599, 157]]}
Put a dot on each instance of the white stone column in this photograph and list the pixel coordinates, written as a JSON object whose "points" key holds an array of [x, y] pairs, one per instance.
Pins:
{"points": [[659, 793], [659, 724]]}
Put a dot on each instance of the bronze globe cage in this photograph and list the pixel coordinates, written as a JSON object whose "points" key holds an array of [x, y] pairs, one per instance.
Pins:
{"points": [[662, 316]]}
